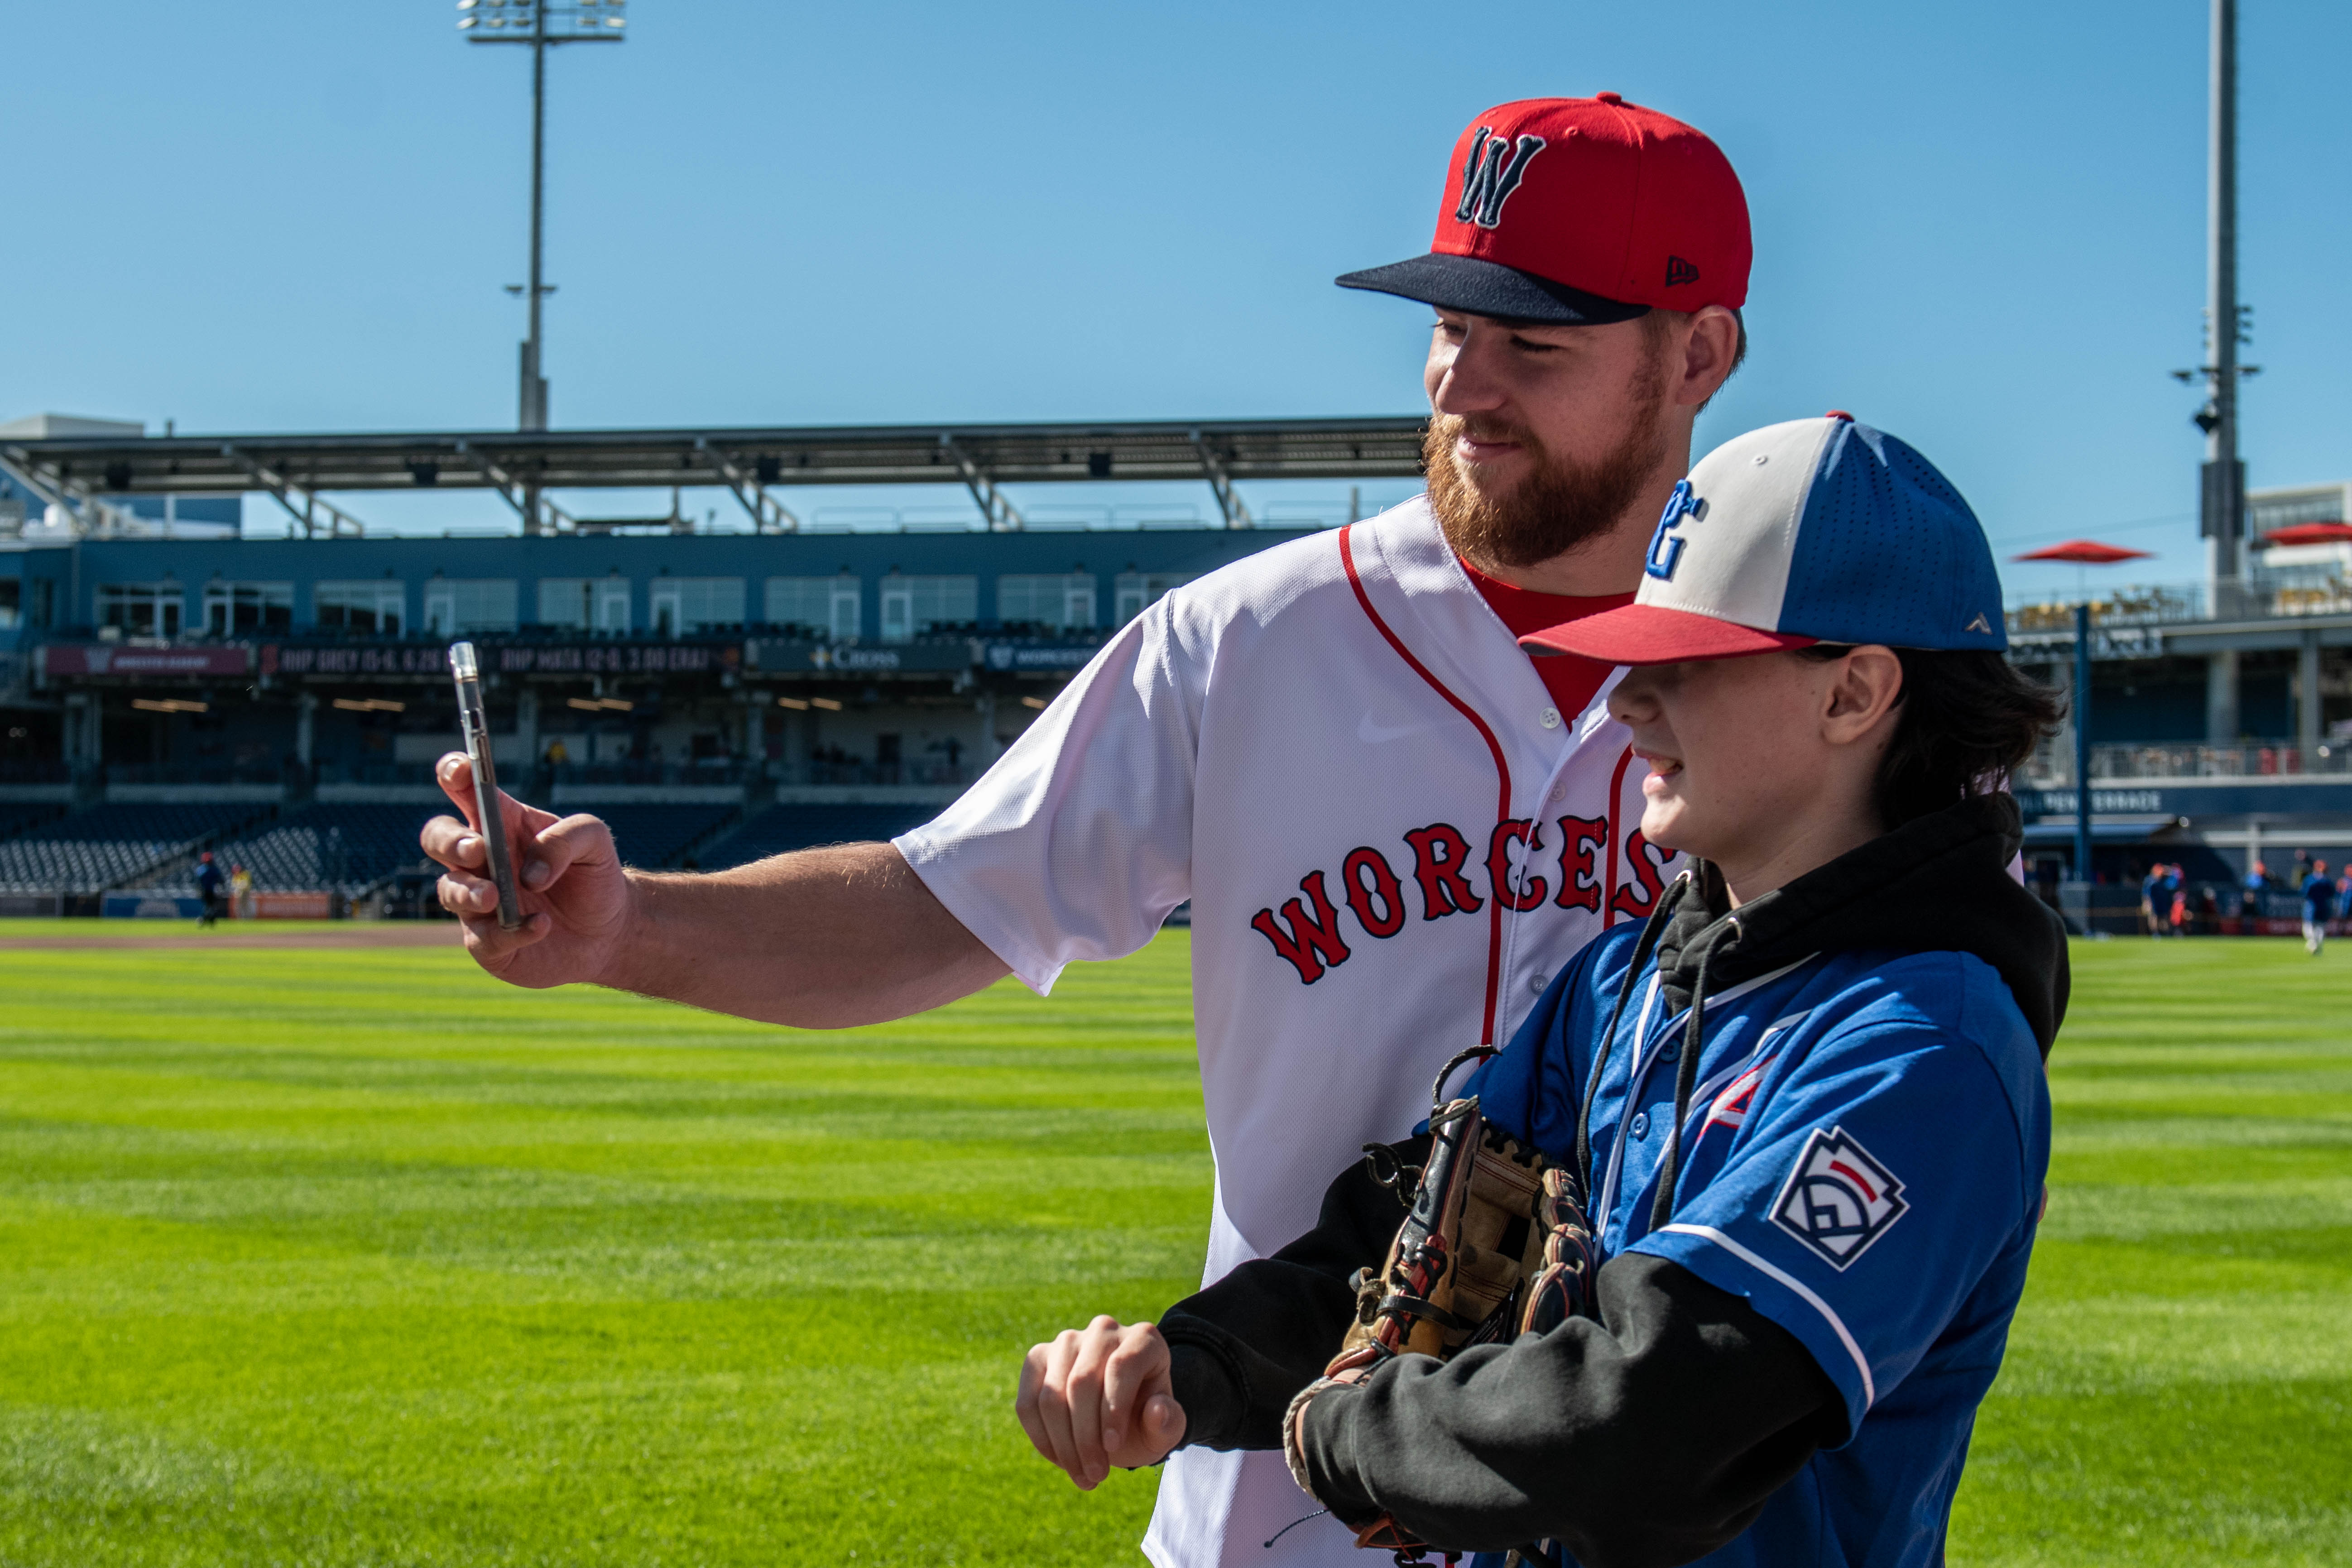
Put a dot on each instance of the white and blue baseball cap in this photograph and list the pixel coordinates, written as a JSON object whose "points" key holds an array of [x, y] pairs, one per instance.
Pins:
{"points": [[1818, 530]]}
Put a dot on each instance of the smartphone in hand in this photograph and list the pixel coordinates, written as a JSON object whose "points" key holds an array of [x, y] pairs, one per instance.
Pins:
{"points": [[476, 724]]}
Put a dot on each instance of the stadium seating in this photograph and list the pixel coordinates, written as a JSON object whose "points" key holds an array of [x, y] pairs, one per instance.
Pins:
{"points": [[349, 847], [109, 846], [18, 818], [340, 846], [658, 836], [783, 827]]}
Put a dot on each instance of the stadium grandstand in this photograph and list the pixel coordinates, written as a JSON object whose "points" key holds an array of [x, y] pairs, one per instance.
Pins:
{"points": [[171, 682]]}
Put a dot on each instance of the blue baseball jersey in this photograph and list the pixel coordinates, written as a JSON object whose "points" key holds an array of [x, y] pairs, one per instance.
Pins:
{"points": [[1862, 1161]]}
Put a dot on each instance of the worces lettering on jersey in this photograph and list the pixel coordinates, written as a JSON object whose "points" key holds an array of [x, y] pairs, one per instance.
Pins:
{"points": [[1437, 871]]}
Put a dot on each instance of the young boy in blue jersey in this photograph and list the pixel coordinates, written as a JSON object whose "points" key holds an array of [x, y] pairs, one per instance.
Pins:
{"points": [[1805, 1098]]}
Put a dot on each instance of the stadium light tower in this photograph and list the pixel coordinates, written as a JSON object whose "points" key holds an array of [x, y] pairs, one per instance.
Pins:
{"points": [[540, 24]]}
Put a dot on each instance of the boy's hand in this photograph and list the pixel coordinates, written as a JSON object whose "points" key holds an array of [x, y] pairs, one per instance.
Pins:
{"points": [[1100, 1397]]}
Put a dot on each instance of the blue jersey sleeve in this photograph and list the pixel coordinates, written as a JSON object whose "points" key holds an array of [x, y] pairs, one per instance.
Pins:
{"points": [[1874, 1184]]}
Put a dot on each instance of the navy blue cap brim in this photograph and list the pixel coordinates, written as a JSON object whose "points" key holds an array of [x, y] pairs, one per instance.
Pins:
{"points": [[1491, 289]]}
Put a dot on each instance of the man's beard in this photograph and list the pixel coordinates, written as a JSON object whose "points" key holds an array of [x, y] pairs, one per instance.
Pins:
{"points": [[1559, 506]]}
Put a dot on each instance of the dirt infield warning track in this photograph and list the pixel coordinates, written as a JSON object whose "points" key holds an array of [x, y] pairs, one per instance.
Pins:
{"points": [[110, 935]]}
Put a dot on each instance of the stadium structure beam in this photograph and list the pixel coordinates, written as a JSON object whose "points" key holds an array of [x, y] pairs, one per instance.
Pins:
{"points": [[1229, 500], [995, 506], [983, 458], [90, 514], [284, 491], [769, 515]]}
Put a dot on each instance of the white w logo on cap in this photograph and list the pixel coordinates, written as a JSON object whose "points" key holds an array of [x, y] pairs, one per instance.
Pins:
{"points": [[1494, 171]]}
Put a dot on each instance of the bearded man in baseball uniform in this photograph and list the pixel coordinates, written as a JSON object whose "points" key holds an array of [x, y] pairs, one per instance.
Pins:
{"points": [[1394, 827]]}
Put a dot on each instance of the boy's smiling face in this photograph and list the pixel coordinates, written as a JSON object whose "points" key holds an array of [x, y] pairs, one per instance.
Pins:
{"points": [[1762, 764]]}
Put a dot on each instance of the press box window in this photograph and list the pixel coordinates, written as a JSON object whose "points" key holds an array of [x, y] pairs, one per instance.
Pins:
{"points": [[1136, 590], [141, 609], [682, 604], [824, 606], [457, 605], [376, 605], [584, 603], [232, 609], [1060, 601], [913, 605]]}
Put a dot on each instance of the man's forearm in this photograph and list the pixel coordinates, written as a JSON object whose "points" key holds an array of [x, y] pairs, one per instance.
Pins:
{"points": [[820, 938]]}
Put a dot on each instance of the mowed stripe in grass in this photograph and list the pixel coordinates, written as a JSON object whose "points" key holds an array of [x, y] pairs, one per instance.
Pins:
{"points": [[358, 1257], [2179, 1386]]}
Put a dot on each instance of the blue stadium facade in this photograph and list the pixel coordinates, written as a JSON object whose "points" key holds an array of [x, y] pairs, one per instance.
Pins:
{"points": [[719, 696], [281, 700]]}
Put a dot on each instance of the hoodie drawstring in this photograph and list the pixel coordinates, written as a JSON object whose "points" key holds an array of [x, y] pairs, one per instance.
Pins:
{"points": [[1642, 948], [1662, 1208]]}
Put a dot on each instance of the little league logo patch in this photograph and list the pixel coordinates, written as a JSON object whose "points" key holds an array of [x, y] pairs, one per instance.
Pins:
{"points": [[1839, 1199]]}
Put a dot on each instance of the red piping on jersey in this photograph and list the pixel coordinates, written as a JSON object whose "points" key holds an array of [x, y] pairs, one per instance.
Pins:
{"points": [[1502, 771], [1616, 840]]}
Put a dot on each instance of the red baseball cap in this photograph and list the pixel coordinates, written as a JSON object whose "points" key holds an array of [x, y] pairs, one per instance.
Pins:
{"points": [[1581, 211]]}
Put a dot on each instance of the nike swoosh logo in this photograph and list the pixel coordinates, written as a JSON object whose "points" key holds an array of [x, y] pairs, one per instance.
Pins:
{"points": [[1373, 734]]}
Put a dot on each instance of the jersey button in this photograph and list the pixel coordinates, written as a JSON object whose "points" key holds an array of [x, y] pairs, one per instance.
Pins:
{"points": [[1537, 980], [1641, 1124], [1549, 718]]}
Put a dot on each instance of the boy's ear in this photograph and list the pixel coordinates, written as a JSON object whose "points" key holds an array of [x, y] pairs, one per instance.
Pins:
{"points": [[1864, 691]]}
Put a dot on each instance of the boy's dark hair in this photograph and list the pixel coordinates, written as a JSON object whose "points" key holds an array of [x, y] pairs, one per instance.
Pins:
{"points": [[1968, 719]]}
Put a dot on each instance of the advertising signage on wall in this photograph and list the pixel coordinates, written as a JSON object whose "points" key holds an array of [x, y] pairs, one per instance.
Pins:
{"points": [[1039, 658], [791, 655], [504, 658], [615, 658], [113, 659], [794, 656]]}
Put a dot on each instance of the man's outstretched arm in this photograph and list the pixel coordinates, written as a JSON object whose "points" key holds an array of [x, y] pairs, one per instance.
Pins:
{"points": [[822, 938]]}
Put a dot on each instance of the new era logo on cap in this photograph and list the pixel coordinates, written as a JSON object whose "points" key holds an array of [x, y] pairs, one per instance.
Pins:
{"points": [[1815, 531]]}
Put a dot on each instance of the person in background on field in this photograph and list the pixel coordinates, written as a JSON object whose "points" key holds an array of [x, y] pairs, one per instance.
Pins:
{"points": [[2178, 909], [2151, 893], [2318, 907], [2302, 863], [240, 893], [2250, 896], [2208, 912], [208, 888]]}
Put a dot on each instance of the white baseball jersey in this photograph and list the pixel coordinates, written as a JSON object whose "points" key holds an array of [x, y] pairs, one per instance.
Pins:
{"points": [[1392, 842]]}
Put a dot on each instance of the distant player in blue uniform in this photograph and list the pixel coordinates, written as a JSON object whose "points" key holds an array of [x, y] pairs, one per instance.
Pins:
{"points": [[2318, 907], [1806, 1096]]}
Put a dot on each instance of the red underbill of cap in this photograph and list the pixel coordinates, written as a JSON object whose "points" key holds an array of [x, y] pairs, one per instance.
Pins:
{"points": [[1651, 634]]}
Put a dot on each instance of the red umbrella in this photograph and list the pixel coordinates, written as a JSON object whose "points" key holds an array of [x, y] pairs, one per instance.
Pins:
{"points": [[2084, 553], [2309, 533]]}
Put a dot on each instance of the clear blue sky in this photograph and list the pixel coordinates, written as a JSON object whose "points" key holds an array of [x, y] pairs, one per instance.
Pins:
{"points": [[1980, 227]]}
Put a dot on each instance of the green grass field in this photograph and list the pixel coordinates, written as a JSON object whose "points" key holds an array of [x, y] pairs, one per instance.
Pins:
{"points": [[356, 1257]]}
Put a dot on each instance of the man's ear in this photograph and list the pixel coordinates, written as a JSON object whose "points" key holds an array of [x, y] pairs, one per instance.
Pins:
{"points": [[1710, 351], [1862, 694]]}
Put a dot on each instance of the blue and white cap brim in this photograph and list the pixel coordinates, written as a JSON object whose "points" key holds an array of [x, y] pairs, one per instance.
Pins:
{"points": [[1813, 531]]}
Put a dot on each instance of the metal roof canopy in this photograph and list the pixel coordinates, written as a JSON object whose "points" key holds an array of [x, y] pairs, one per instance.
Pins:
{"points": [[521, 463]]}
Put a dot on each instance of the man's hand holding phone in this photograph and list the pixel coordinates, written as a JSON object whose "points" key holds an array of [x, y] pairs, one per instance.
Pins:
{"points": [[575, 900]]}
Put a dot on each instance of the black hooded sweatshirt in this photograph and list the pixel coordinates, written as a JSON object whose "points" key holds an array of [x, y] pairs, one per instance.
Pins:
{"points": [[1685, 1408]]}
